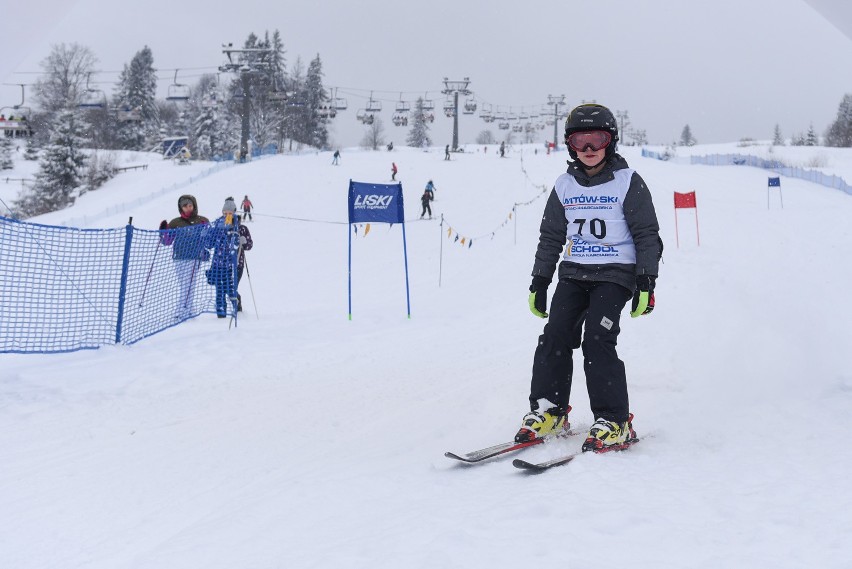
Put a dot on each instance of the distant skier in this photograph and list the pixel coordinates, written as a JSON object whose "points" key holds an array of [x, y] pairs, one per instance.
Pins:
{"points": [[613, 251], [447, 152], [247, 205], [503, 149], [393, 171], [424, 200], [430, 189], [336, 159]]}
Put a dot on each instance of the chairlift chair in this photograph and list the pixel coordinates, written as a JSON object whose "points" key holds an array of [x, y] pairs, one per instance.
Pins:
{"points": [[178, 92], [469, 106], [209, 101], [92, 98], [128, 114], [400, 119], [402, 106], [428, 104], [374, 106], [364, 116], [449, 108], [276, 95], [340, 104]]}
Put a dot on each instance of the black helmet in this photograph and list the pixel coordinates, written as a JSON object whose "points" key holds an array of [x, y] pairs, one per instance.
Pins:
{"points": [[591, 116]]}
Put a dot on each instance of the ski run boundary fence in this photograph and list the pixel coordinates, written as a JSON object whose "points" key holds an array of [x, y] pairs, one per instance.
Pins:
{"points": [[69, 289], [777, 166]]}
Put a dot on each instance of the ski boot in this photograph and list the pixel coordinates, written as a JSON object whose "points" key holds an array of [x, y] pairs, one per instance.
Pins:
{"points": [[538, 424], [606, 435]]}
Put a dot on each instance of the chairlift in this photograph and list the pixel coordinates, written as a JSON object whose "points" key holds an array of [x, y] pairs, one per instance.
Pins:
{"points": [[517, 128], [92, 98], [127, 114], [365, 116], [400, 118], [428, 116], [402, 106], [326, 111], [428, 104], [177, 92], [278, 96], [449, 108], [16, 124], [469, 106], [373, 106], [209, 101], [340, 104]]}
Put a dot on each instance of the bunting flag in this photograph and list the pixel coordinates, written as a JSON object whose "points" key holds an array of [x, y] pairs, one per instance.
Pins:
{"points": [[366, 229]]}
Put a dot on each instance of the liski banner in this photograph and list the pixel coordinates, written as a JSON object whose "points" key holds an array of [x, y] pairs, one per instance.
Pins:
{"points": [[376, 203]]}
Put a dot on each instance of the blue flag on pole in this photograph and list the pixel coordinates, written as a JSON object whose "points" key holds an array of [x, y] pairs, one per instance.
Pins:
{"points": [[773, 182], [376, 203]]}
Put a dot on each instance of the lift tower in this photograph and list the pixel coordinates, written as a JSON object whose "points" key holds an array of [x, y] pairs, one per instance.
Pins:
{"points": [[456, 88]]}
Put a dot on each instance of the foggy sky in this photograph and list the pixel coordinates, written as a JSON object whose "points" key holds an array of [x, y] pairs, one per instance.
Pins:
{"points": [[728, 68]]}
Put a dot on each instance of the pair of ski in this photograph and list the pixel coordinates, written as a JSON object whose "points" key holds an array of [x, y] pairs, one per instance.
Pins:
{"points": [[480, 455]]}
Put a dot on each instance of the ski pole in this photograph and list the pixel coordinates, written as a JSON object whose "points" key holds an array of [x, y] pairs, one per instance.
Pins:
{"points": [[251, 288], [150, 270]]}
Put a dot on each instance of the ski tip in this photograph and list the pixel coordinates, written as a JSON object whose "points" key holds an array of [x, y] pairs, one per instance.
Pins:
{"points": [[454, 456], [528, 466]]}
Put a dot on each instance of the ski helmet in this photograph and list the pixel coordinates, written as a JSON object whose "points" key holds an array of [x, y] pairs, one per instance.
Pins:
{"points": [[591, 116]]}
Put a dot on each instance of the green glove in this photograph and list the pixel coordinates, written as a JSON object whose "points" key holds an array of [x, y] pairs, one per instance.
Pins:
{"points": [[643, 298], [538, 296]]}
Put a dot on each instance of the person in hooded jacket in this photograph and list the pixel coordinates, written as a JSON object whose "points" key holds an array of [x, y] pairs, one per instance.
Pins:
{"points": [[601, 220], [228, 238], [185, 234]]}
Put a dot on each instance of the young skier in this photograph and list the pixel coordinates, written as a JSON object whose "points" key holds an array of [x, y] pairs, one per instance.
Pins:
{"points": [[602, 210], [247, 205], [424, 201]]}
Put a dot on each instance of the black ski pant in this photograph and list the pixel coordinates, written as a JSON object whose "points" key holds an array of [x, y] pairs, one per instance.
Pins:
{"points": [[601, 303], [426, 207]]}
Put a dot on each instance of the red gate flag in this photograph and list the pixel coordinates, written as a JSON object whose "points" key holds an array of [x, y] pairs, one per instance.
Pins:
{"points": [[684, 200]]}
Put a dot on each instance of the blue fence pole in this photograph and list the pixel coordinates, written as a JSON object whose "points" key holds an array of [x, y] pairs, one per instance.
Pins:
{"points": [[122, 291]]}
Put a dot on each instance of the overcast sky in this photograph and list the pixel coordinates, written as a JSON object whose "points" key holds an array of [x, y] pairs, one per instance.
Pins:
{"points": [[728, 68]]}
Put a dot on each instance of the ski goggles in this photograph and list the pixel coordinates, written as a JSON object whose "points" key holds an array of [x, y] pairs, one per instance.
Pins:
{"points": [[184, 202], [594, 139]]}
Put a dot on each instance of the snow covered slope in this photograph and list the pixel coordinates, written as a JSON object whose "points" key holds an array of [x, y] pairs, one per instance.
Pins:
{"points": [[302, 439]]}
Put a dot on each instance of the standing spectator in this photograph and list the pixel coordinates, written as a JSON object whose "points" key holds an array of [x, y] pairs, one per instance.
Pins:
{"points": [[336, 160], [503, 149], [185, 235], [393, 171], [447, 152], [247, 205]]}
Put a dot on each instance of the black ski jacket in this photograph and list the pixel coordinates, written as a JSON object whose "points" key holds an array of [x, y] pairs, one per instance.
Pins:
{"points": [[641, 220]]}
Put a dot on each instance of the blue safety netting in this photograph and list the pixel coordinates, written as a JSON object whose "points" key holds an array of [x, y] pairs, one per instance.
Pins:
{"points": [[66, 289]]}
